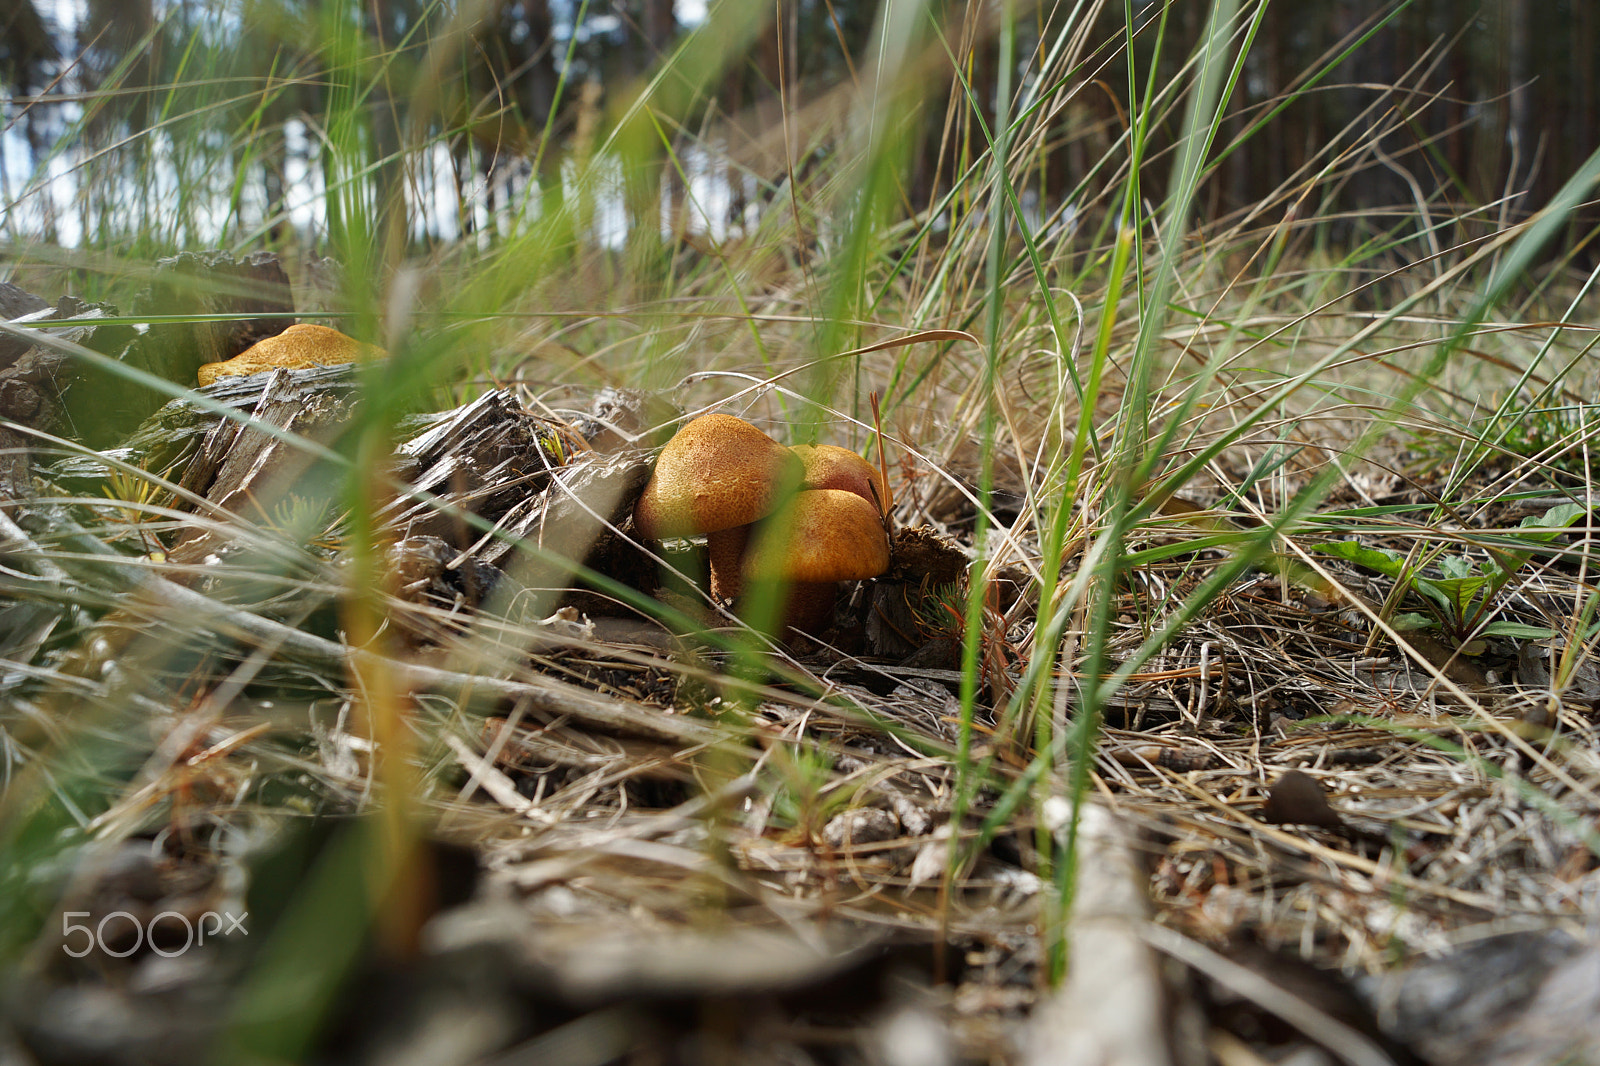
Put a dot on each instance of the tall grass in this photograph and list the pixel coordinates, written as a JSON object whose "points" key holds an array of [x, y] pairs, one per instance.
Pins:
{"points": [[1100, 355]]}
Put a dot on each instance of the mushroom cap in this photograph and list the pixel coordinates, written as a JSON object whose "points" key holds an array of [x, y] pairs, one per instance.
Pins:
{"points": [[829, 466], [296, 348], [717, 473], [831, 535]]}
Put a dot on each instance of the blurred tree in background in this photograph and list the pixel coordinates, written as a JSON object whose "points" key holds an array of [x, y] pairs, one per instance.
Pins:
{"points": [[29, 59], [472, 108]]}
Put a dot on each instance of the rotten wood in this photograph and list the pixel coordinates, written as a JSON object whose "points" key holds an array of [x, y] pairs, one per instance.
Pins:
{"points": [[244, 470]]}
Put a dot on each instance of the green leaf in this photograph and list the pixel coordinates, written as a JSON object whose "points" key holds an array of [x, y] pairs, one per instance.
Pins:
{"points": [[1537, 529], [1389, 563], [1551, 522], [1517, 631], [1455, 593]]}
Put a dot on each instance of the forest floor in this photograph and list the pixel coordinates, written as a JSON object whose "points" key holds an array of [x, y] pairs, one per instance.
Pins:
{"points": [[463, 799]]}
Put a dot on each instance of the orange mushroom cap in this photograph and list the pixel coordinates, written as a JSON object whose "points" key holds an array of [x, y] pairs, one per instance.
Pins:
{"points": [[829, 466], [300, 346], [832, 535], [717, 473]]}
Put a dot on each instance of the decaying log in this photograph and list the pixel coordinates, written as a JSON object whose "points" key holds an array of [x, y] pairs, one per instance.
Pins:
{"points": [[485, 458], [575, 517], [627, 419], [519, 472], [245, 470], [532, 479], [167, 440], [489, 459]]}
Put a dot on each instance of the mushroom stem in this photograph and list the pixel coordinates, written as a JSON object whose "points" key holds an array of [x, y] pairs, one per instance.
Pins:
{"points": [[808, 606], [725, 547]]}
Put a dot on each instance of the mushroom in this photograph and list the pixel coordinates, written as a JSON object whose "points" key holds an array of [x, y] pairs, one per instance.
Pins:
{"points": [[830, 467], [296, 348], [718, 475], [831, 535]]}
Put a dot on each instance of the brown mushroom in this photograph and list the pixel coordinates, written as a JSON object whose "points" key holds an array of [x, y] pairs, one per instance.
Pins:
{"points": [[300, 346], [831, 535], [830, 467], [715, 477]]}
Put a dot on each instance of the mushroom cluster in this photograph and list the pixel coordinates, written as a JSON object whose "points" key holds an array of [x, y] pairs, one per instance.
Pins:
{"points": [[720, 477]]}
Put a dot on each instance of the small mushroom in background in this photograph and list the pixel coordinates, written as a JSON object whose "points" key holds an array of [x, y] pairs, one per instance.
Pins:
{"points": [[299, 347], [1297, 798], [714, 478], [831, 535]]}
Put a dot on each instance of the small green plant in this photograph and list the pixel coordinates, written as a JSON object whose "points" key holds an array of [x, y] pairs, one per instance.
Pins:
{"points": [[1553, 437], [1459, 601], [299, 519], [141, 495], [805, 798]]}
